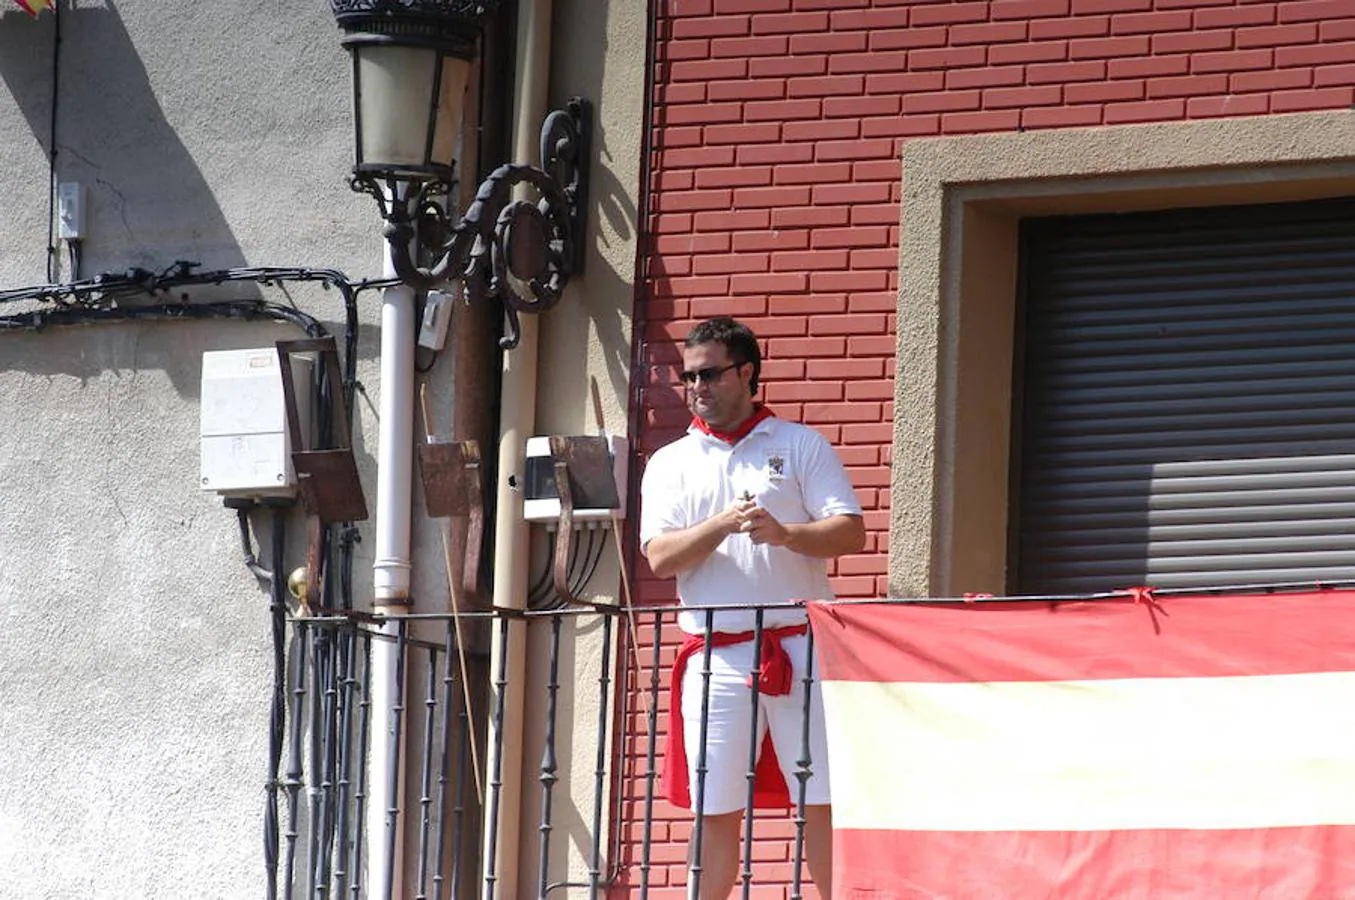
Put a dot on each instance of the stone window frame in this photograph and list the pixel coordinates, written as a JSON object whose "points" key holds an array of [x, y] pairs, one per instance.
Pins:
{"points": [[963, 201]]}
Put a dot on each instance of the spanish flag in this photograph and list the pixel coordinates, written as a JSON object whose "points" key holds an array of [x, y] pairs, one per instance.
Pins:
{"points": [[1182, 747], [33, 7]]}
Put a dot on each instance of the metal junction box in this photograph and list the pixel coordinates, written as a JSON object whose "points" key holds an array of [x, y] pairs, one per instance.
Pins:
{"points": [[246, 451], [600, 496]]}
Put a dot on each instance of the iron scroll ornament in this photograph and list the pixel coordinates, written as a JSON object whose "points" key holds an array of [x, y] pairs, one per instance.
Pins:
{"points": [[514, 251]]}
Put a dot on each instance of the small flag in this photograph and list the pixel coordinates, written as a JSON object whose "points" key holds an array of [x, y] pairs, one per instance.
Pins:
{"points": [[33, 7], [1075, 750]]}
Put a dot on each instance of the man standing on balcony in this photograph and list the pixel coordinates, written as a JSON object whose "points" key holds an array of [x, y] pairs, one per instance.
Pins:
{"points": [[746, 508]]}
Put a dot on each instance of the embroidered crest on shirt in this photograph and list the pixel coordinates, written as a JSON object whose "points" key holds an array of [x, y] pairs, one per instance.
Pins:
{"points": [[776, 465]]}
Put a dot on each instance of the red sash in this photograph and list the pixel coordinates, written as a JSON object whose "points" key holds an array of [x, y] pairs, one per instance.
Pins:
{"points": [[774, 678]]}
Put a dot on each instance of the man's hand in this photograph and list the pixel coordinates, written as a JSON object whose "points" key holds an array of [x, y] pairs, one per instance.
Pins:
{"points": [[761, 526], [678, 551], [824, 539], [734, 518]]}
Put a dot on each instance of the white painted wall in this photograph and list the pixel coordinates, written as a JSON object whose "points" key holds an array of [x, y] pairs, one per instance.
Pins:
{"points": [[135, 651]]}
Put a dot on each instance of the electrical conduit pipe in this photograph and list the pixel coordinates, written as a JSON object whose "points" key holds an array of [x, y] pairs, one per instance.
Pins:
{"points": [[517, 419]]}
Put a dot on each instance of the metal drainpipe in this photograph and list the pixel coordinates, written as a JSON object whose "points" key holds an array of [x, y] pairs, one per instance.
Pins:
{"points": [[395, 453], [516, 421]]}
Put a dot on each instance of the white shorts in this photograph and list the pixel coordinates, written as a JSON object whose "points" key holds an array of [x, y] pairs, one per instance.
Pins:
{"points": [[728, 732]]}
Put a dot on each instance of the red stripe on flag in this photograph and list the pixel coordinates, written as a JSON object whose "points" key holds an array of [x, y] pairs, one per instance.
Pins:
{"points": [[1185, 636], [1307, 863]]}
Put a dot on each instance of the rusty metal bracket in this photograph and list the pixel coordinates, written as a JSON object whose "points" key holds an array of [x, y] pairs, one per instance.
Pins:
{"points": [[327, 479], [583, 468], [453, 486], [564, 535]]}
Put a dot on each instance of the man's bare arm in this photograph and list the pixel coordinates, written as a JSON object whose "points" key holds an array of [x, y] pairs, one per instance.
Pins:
{"points": [[824, 539], [678, 551]]}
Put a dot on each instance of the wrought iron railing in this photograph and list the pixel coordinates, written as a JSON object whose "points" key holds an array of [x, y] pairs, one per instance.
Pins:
{"points": [[593, 689]]}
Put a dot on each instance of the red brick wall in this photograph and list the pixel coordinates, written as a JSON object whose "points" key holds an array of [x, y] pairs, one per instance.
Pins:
{"points": [[775, 184]]}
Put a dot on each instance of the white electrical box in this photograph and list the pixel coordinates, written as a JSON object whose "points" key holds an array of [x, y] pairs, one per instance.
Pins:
{"points": [[246, 450], [541, 501], [437, 313], [70, 198]]}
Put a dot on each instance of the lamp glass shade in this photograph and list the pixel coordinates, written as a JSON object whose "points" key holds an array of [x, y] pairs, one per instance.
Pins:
{"points": [[394, 99]]}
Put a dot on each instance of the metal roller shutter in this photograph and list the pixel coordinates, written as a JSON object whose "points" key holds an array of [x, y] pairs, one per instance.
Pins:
{"points": [[1186, 399]]}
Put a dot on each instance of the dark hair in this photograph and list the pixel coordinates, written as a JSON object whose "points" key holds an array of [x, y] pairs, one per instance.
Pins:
{"points": [[737, 339]]}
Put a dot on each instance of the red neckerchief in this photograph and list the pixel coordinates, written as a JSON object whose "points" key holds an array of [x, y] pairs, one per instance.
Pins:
{"points": [[774, 678], [760, 412]]}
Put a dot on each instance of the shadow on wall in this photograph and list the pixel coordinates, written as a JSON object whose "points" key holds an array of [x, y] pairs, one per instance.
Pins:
{"points": [[602, 297], [148, 202], [614, 205]]}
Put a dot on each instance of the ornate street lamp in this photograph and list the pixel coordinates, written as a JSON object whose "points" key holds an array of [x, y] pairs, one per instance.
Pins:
{"points": [[411, 63]]}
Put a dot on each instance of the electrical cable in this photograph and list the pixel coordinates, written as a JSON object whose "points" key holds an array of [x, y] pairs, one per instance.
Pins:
{"points": [[52, 148], [551, 599], [247, 310], [539, 589], [592, 565], [242, 511], [277, 719], [574, 579]]}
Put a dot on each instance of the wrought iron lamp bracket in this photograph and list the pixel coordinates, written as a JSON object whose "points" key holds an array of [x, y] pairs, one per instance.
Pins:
{"points": [[516, 252]]}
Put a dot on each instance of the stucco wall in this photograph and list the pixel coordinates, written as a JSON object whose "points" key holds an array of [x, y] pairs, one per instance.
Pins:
{"points": [[136, 658], [598, 53]]}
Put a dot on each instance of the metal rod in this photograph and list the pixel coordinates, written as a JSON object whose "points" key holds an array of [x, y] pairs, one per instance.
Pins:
{"points": [[699, 801], [463, 762], [393, 754], [754, 745], [445, 764], [496, 777], [600, 764], [430, 703], [330, 736], [294, 772], [364, 742], [651, 748], [346, 670], [315, 677], [803, 767], [548, 761], [594, 609]]}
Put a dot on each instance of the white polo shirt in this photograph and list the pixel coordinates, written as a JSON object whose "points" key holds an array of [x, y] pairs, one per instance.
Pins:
{"points": [[792, 471]]}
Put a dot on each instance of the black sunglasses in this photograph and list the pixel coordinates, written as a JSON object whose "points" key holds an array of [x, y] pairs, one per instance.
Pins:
{"points": [[708, 375]]}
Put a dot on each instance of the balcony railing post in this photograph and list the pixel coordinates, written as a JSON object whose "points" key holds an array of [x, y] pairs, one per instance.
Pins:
{"points": [[430, 702], [600, 768], [803, 767], [753, 746], [346, 667], [294, 771], [360, 766], [548, 761], [699, 797], [651, 748], [445, 761], [496, 776]]}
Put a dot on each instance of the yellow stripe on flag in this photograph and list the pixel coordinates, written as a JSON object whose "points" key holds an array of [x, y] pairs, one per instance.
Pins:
{"points": [[1193, 753], [33, 7]]}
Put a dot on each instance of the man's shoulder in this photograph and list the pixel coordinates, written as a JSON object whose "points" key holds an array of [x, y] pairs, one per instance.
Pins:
{"points": [[787, 429], [675, 447]]}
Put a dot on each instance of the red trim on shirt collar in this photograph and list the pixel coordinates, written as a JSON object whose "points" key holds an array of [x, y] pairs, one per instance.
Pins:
{"points": [[760, 412]]}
